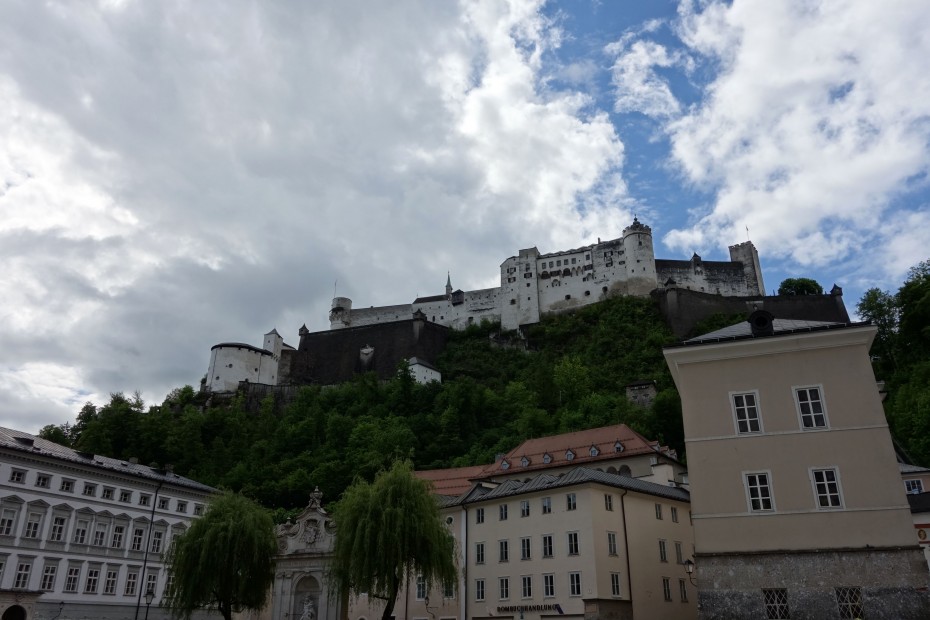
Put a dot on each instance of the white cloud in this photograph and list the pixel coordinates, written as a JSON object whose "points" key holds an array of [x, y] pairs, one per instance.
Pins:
{"points": [[638, 88]]}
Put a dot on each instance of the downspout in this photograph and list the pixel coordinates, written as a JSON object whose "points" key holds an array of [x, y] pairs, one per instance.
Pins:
{"points": [[463, 591], [626, 547], [148, 546]]}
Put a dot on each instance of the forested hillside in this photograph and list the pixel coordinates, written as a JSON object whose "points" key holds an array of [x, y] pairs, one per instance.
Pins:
{"points": [[492, 397]]}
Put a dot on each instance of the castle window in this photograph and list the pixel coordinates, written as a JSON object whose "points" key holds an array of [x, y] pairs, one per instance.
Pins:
{"points": [[587, 293], [513, 302], [558, 263], [568, 297], [573, 261], [604, 289], [587, 257]]}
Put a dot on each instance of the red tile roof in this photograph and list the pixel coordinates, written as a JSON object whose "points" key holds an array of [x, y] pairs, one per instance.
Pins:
{"points": [[453, 481]]}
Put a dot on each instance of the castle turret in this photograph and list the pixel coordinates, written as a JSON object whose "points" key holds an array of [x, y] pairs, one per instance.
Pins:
{"points": [[640, 258], [448, 285], [274, 342], [746, 253], [340, 315]]}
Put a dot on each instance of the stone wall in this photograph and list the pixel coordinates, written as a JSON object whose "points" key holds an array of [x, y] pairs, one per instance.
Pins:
{"points": [[893, 583]]}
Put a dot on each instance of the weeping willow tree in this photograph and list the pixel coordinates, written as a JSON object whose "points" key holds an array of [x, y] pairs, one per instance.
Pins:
{"points": [[390, 531], [225, 561]]}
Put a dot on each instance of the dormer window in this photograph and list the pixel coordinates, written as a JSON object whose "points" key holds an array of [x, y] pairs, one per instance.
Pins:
{"points": [[594, 451], [524, 461], [505, 465], [618, 447], [569, 456], [547, 458]]}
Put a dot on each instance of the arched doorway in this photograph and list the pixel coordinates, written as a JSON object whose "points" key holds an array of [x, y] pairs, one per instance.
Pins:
{"points": [[306, 599], [14, 613]]}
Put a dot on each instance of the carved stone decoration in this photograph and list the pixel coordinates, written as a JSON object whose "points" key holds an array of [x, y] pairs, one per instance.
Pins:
{"points": [[311, 531], [316, 498]]}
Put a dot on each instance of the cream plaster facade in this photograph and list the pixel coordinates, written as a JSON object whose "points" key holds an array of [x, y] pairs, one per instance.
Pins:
{"points": [[75, 527], [796, 489]]}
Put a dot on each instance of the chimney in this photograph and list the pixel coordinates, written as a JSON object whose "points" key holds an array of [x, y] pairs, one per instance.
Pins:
{"points": [[762, 323]]}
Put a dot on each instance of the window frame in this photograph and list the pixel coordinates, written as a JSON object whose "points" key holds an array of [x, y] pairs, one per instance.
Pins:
{"points": [[547, 546], [574, 547], [768, 486], [479, 590], [479, 515], [526, 552], [663, 550], [503, 550], [611, 543], [479, 553], [752, 413], [502, 512], [913, 489], [571, 502], [547, 505], [838, 493], [574, 583], [503, 588], [526, 586], [821, 398], [608, 502], [49, 575], [667, 589], [524, 508]]}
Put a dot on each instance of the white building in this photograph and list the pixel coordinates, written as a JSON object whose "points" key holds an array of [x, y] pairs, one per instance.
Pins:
{"points": [[75, 527]]}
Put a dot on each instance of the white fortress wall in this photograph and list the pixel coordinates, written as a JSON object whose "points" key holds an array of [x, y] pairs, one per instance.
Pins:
{"points": [[380, 314], [235, 362]]}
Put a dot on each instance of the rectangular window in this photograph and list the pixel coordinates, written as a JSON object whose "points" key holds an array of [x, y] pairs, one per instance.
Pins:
{"points": [[6, 522], [80, 532], [827, 488], [107, 493], [679, 558], [524, 548], [682, 591], [479, 515], [58, 529], [109, 586], [23, 569], [608, 502], [90, 489], [100, 535], [144, 499], [479, 589], [810, 407], [760, 493], [547, 545], [573, 543], [663, 553], [125, 496], [479, 553], [524, 508], [421, 588], [674, 511], [137, 536], [746, 411], [502, 512], [18, 476], [132, 580], [448, 590], [157, 538], [527, 583], [48, 578], [32, 525], [546, 505], [43, 481], [503, 584], [198, 510], [151, 581], [116, 541], [612, 543], [658, 511], [913, 486], [90, 584], [574, 584], [570, 502], [776, 604], [615, 584], [504, 551], [163, 503], [549, 585], [71, 581], [181, 506], [67, 486], [667, 588]]}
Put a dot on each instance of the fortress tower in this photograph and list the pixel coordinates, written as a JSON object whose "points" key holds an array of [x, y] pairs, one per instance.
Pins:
{"points": [[640, 259], [340, 315]]}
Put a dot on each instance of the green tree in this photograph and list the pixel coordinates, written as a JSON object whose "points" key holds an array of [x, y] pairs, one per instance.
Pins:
{"points": [[800, 286], [881, 307], [390, 531], [225, 561]]}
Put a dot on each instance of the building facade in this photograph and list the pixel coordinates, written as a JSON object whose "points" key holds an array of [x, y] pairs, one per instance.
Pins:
{"points": [[798, 506], [554, 529], [83, 535]]}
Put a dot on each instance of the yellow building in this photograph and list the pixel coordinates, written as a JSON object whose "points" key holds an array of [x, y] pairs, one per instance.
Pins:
{"points": [[593, 524], [798, 505]]}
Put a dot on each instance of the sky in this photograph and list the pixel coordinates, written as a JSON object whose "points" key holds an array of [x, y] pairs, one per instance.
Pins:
{"points": [[183, 173]]}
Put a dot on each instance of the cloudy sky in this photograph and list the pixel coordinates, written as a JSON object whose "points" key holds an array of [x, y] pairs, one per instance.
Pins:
{"points": [[178, 174]]}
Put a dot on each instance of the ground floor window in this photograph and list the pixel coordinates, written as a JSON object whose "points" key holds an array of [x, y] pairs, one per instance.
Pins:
{"points": [[776, 603], [849, 601]]}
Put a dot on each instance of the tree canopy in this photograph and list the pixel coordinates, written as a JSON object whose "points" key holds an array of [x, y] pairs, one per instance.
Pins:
{"points": [[390, 531], [800, 286], [225, 561]]}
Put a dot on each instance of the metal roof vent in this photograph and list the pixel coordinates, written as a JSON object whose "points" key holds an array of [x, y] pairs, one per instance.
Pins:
{"points": [[762, 323]]}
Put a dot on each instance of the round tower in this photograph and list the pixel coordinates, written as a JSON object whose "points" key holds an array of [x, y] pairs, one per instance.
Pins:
{"points": [[340, 314], [640, 258]]}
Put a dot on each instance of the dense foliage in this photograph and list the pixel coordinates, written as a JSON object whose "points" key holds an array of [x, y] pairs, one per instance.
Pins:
{"points": [[800, 286], [390, 531], [225, 561], [494, 394], [901, 357]]}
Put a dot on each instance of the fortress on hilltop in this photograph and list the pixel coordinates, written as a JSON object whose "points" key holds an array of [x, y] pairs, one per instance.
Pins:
{"points": [[532, 285]]}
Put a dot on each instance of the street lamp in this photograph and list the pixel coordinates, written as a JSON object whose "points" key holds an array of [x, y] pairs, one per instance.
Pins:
{"points": [[149, 596], [689, 568]]}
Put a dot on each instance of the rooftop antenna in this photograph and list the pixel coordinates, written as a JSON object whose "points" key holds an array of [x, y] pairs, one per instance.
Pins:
{"points": [[334, 287], [747, 234]]}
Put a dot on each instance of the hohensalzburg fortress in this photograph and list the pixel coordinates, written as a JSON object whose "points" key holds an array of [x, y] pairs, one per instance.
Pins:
{"points": [[534, 284]]}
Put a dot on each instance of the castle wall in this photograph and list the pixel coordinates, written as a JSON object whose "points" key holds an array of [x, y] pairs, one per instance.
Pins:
{"points": [[376, 314], [476, 306], [234, 362], [719, 278]]}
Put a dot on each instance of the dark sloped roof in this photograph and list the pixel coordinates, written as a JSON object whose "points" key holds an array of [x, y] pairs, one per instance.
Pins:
{"points": [[577, 476], [241, 345], [743, 330], [30, 444]]}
